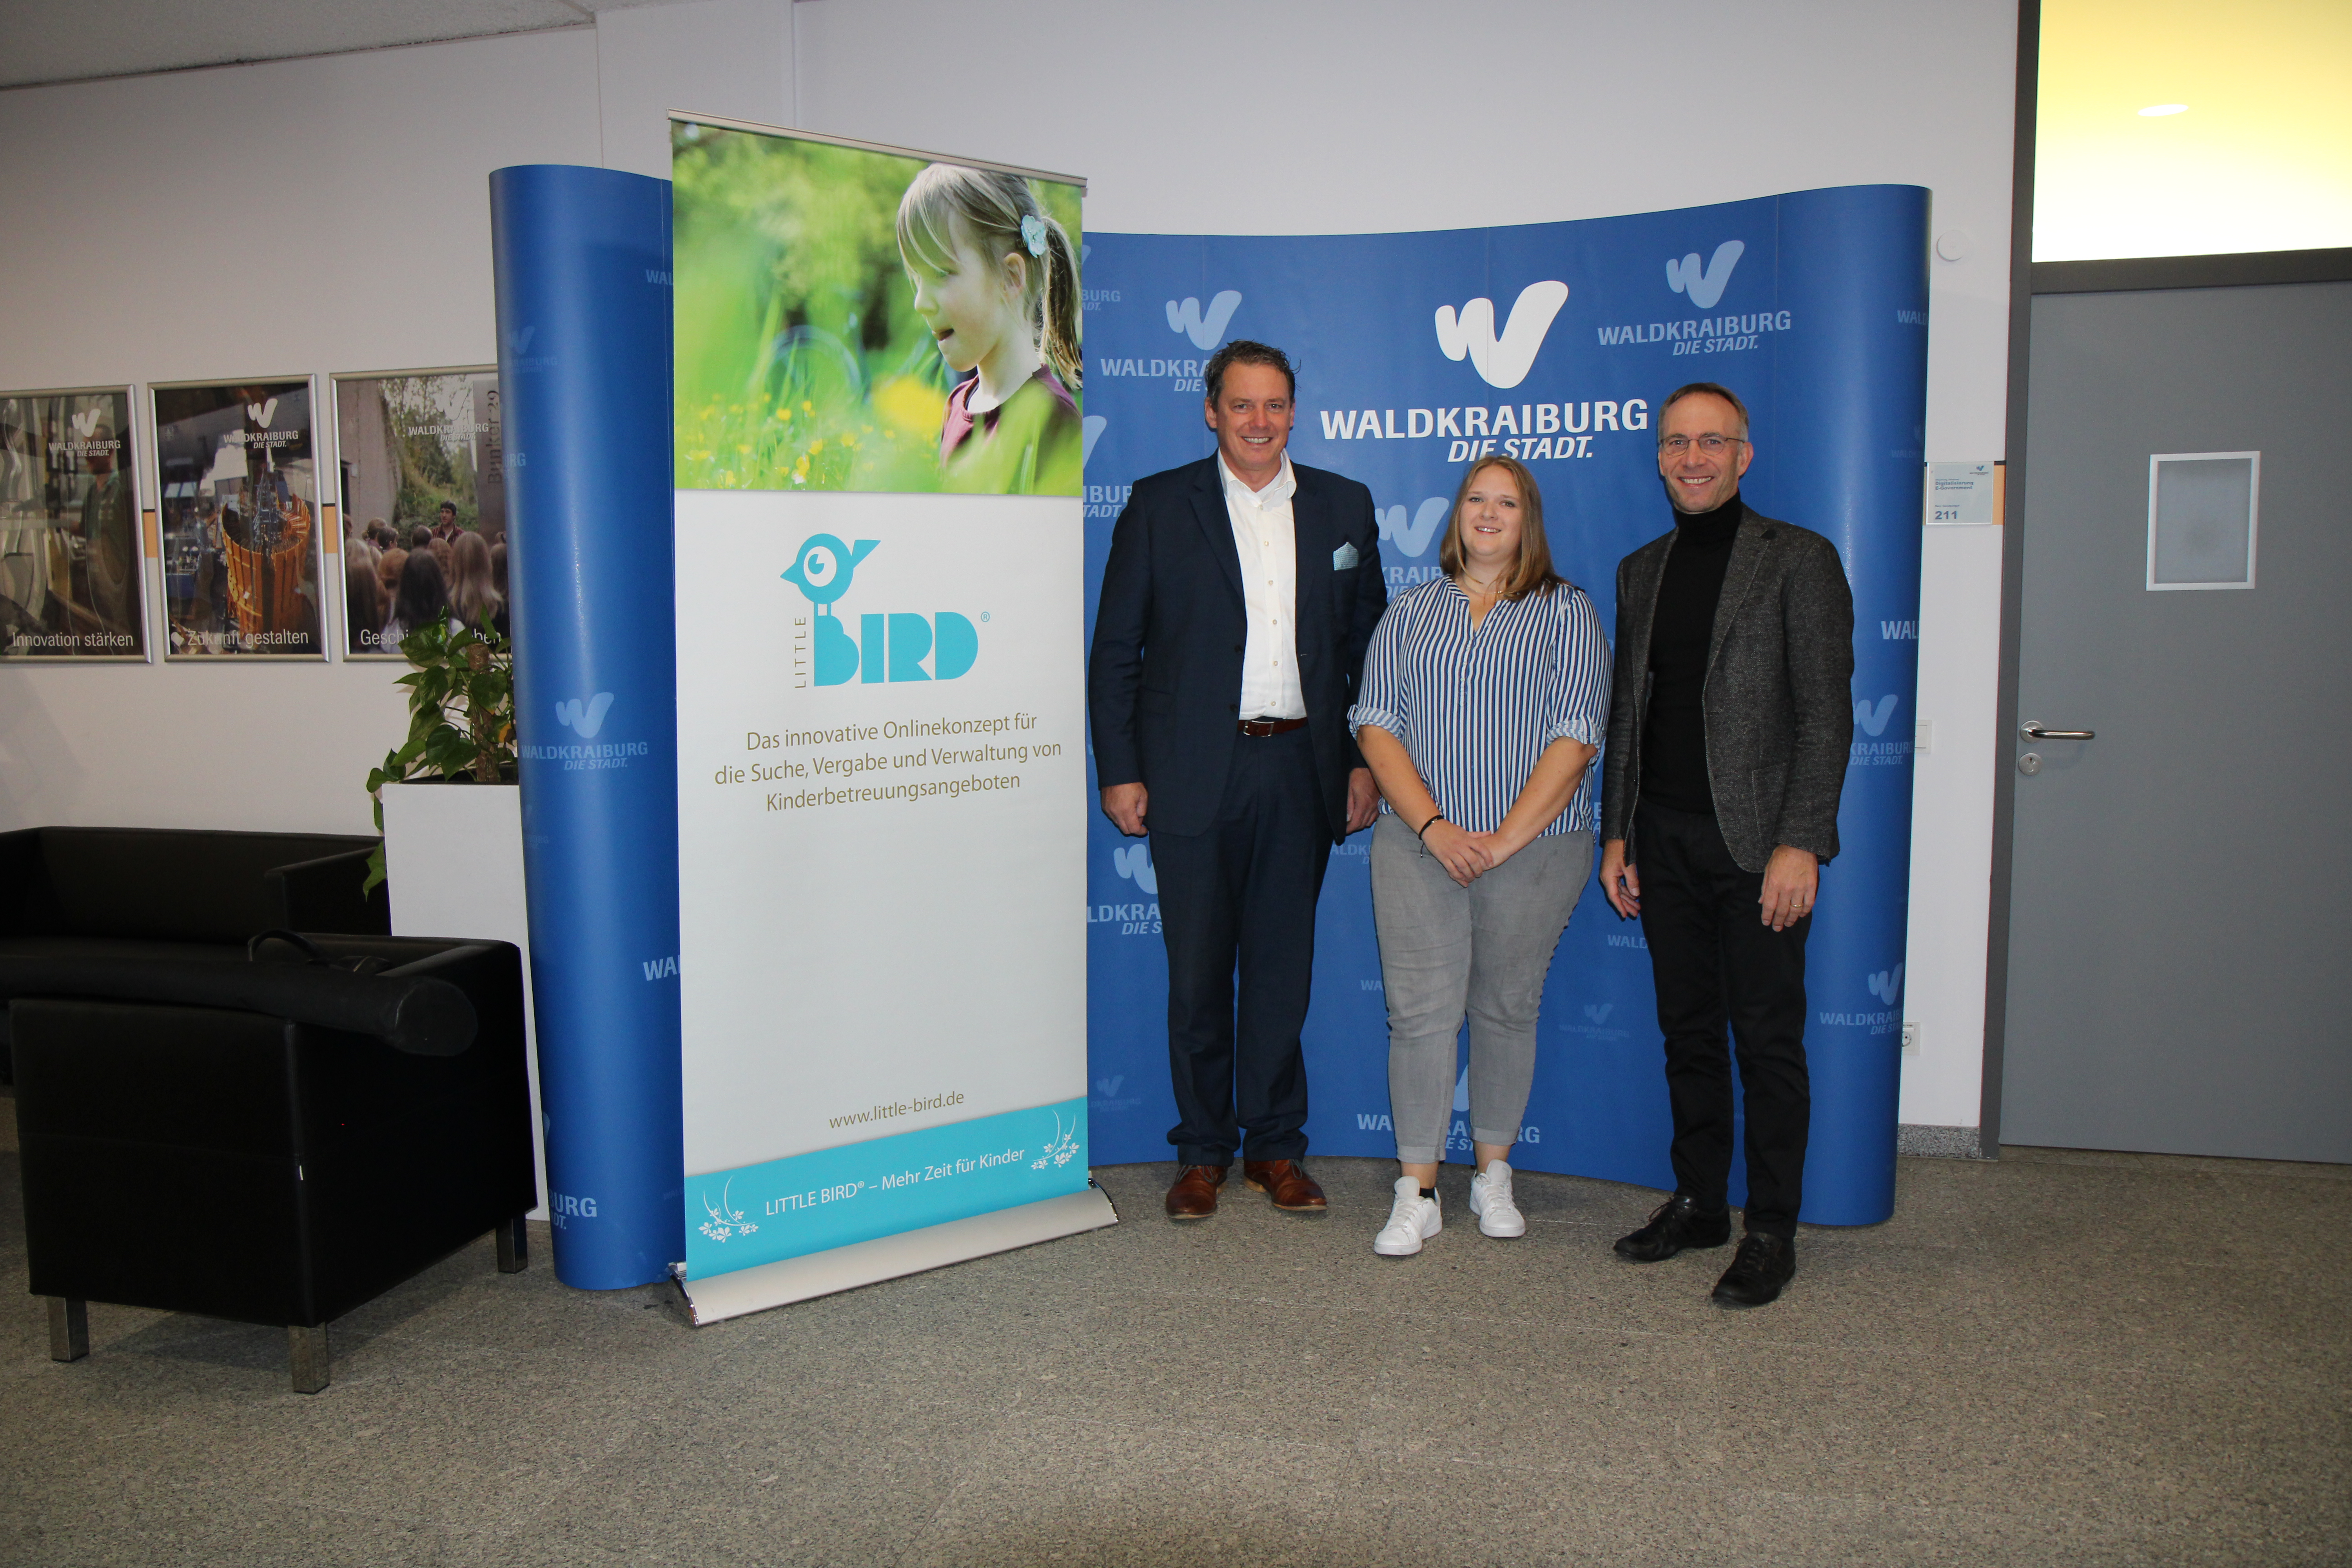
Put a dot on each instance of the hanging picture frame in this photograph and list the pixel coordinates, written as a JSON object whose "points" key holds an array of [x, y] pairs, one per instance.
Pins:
{"points": [[73, 577], [420, 463], [237, 488]]}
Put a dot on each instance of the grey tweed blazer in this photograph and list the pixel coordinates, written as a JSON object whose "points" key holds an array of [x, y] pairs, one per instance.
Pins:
{"points": [[1778, 705]]}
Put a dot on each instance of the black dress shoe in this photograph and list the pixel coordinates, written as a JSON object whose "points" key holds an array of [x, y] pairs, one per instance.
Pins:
{"points": [[1675, 1225], [1762, 1265]]}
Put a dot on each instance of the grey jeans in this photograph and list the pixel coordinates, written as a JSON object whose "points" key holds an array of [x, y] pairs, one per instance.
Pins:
{"points": [[1484, 949]]}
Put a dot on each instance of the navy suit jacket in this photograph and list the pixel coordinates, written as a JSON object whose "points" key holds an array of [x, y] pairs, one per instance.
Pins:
{"points": [[1163, 685]]}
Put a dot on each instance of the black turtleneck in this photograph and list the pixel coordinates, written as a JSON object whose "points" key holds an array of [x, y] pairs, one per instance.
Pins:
{"points": [[1674, 730]]}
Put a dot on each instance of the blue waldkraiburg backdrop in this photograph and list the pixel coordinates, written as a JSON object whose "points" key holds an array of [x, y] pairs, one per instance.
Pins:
{"points": [[1555, 342]]}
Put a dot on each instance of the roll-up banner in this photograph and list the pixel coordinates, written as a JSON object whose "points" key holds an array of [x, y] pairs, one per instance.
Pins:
{"points": [[882, 823], [1555, 344], [581, 258]]}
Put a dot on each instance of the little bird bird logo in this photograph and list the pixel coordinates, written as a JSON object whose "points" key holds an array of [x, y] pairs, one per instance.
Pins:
{"points": [[823, 567], [1502, 362]]}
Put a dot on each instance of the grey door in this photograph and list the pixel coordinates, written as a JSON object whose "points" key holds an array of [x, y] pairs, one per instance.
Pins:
{"points": [[2181, 901]]}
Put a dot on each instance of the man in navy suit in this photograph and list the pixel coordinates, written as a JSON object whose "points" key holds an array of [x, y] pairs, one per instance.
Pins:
{"points": [[1239, 597]]}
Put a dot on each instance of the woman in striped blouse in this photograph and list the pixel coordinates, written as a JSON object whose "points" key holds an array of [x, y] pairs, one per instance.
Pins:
{"points": [[1483, 705]]}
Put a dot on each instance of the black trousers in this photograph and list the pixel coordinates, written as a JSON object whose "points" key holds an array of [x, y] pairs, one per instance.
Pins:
{"points": [[1242, 894], [1714, 961]]}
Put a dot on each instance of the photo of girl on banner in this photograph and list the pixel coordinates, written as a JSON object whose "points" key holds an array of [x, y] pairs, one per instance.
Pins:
{"points": [[996, 281], [70, 578], [235, 472], [855, 320], [421, 471]]}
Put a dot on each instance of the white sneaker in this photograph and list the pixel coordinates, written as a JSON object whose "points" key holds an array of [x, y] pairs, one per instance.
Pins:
{"points": [[1490, 1200], [1413, 1219]]}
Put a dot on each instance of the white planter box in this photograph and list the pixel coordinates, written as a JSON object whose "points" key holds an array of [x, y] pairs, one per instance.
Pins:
{"points": [[453, 853]]}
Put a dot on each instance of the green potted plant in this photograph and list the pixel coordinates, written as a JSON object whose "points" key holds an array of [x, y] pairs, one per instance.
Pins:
{"points": [[461, 722]]}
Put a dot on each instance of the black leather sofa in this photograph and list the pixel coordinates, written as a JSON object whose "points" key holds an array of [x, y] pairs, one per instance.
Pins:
{"points": [[217, 1118], [148, 892]]}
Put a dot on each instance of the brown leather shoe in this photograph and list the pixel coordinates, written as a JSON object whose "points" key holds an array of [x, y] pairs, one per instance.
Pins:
{"points": [[1291, 1187], [1194, 1196]]}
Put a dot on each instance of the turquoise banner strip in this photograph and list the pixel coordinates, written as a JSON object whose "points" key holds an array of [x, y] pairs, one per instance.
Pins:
{"points": [[832, 1197]]}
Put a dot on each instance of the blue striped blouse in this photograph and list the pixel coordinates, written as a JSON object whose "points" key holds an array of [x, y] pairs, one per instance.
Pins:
{"points": [[1475, 710]]}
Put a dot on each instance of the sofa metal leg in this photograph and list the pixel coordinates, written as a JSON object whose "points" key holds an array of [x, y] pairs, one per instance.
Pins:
{"points": [[306, 1349], [68, 1328], [514, 1245]]}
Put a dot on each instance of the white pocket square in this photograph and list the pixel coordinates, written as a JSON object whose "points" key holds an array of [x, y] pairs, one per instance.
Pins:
{"points": [[1344, 557]]}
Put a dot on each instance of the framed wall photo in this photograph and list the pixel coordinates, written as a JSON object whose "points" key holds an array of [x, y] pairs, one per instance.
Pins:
{"points": [[72, 578], [421, 471], [238, 486]]}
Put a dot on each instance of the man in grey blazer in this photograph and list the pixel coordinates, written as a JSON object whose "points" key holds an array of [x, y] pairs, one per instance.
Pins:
{"points": [[1729, 728]]}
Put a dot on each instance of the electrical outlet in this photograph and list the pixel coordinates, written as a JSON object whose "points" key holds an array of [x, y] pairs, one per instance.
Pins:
{"points": [[1910, 1039], [1923, 737]]}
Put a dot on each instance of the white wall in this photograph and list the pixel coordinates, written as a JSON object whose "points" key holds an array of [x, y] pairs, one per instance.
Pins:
{"points": [[1238, 117], [729, 57], [302, 216], [1221, 116]]}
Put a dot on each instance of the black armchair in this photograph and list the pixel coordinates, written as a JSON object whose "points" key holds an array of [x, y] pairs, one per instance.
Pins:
{"points": [[306, 1130], [146, 892]]}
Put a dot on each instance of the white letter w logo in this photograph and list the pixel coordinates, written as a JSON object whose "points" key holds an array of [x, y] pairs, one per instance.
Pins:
{"points": [[1135, 864], [1705, 287], [1413, 537], [1503, 362], [586, 718], [1204, 330]]}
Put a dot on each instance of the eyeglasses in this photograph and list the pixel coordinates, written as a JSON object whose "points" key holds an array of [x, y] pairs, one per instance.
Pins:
{"points": [[1711, 444]]}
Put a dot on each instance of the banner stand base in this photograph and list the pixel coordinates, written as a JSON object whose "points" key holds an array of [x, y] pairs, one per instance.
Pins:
{"points": [[724, 1296]]}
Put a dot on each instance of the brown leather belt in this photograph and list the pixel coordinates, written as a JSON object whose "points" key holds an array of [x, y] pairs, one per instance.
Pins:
{"points": [[1259, 728]]}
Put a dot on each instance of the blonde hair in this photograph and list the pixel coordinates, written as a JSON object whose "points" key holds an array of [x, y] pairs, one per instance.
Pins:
{"points": [[472, 593], [1533, 569], [991, 207]]}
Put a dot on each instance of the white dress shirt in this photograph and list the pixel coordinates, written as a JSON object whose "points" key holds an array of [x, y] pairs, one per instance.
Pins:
{"points": [[1267, 540]]}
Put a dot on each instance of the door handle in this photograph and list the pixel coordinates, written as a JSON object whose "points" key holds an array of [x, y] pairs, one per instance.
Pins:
{"points": [[2032, 729]]}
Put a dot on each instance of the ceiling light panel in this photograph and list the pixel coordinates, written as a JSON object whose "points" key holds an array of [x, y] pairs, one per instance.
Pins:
{"points": [[2181, 127]]}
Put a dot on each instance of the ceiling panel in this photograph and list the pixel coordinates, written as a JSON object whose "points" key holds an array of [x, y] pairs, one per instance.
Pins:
{"points": [[71, 40]]}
